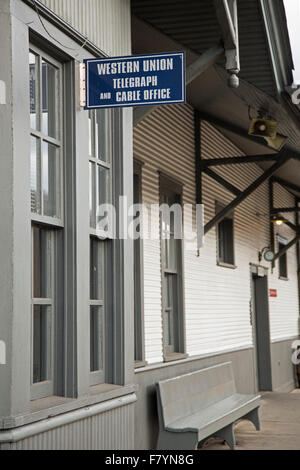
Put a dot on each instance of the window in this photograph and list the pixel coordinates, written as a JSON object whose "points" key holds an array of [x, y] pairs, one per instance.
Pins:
{"points": [[225, 239], [138, 276], [47, 214], [100, 168], [100, 156], [283, 269], [171, 255]]}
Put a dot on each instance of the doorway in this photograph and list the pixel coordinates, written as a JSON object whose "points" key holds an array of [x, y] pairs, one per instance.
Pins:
{"points": [[261, 329]]}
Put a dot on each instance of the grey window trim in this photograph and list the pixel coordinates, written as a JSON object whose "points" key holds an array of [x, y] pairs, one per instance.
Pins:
{"points": [[170, 186], [139, 332], [221, 263]]}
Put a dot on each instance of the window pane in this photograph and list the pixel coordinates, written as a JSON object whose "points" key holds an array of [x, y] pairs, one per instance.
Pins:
{"points": [[50, 122], [41, 343], [51, 180], [103, 134], [42, 266], [96, 269], [104, 186], [282, 262], [33, 71], [35, 175], [92, 195], [226, 244], [96, 338]]}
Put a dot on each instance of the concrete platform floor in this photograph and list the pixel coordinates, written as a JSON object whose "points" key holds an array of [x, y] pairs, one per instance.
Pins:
{"points": [[280, 426]]}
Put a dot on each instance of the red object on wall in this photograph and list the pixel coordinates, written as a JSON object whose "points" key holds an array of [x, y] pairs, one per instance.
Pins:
{"points": [[273, 292]]}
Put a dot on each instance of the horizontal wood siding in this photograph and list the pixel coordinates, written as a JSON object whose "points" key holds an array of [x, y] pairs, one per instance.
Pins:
{"points": [[217, 299], [107, 23]]}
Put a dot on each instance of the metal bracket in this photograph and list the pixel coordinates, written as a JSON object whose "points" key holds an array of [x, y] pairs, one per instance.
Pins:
{"points": [[82, 85], [283, 157]]}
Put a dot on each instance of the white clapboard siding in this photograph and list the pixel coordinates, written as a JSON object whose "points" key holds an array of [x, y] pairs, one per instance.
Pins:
{"points": [[284, 308], [106, 23], [217, 299]]}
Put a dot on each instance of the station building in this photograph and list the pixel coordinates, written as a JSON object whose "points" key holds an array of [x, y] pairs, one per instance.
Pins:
{"points": [[89, 323]]}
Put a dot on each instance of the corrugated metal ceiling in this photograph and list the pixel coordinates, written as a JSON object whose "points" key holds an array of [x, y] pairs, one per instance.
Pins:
{"points": [[193, 23]]}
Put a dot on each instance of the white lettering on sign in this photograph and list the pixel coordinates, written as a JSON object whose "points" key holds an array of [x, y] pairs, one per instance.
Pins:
{"points": [[113, 68], [124, 96], [157, 94], [135, 82], [156, 65]]}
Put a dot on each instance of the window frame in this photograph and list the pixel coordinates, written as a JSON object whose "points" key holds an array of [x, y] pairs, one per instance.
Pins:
{"points": [[169, 186], [58, 143], [139, 321], [97, 162], [55, 227], [231, 216], [106, 238], [282, 242]]}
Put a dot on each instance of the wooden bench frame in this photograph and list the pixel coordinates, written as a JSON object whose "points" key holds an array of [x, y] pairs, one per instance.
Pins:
{"points": [[188, 439]]}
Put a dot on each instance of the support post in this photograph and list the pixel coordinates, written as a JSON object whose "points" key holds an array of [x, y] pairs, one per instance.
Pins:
{"points": [[226, 11], [271, 205], [297, 220], [198, 178], [282, 159]]}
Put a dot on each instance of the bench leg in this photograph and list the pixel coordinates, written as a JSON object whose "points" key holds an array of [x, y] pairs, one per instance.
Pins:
{"points": [[227, 434], [253, 416], [177, 441]]}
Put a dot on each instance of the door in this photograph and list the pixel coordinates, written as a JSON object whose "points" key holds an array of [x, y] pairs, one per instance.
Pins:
{"points": [[262, 332]]}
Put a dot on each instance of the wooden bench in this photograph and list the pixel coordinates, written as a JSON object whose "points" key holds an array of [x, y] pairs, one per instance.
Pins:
{"points": [[196, 406]]}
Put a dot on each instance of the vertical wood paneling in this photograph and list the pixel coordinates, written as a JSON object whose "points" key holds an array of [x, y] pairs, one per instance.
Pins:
{"points": [[111, 430], [217, 299], [106, 23]]}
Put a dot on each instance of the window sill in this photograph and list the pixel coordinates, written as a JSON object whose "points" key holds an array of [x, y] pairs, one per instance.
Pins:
{"points": [[53, 406], [226, 265], [139, 364], [175, 357], [283, 278]]}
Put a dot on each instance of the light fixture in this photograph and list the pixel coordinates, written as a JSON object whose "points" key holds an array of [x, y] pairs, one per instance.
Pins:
{"points": [[277, 220]]}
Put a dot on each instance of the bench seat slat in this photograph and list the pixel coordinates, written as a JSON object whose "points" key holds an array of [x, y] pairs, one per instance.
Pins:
{"points": [[217, 416]]}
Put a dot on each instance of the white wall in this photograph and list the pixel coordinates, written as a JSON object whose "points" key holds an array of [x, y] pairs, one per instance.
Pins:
{"points": [[107, 23], [217, 299]]}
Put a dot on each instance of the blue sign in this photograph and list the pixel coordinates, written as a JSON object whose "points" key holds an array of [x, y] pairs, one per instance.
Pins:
{"points": [[135, 80]]}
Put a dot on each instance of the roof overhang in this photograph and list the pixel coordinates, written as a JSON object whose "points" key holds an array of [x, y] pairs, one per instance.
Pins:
{"points": [[210, 94]]}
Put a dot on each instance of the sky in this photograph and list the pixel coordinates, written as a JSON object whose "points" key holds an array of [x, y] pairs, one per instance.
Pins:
{"points": [[293, 18]]}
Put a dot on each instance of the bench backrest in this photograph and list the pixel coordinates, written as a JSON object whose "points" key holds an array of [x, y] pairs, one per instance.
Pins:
{"points": [[191, 393]]}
